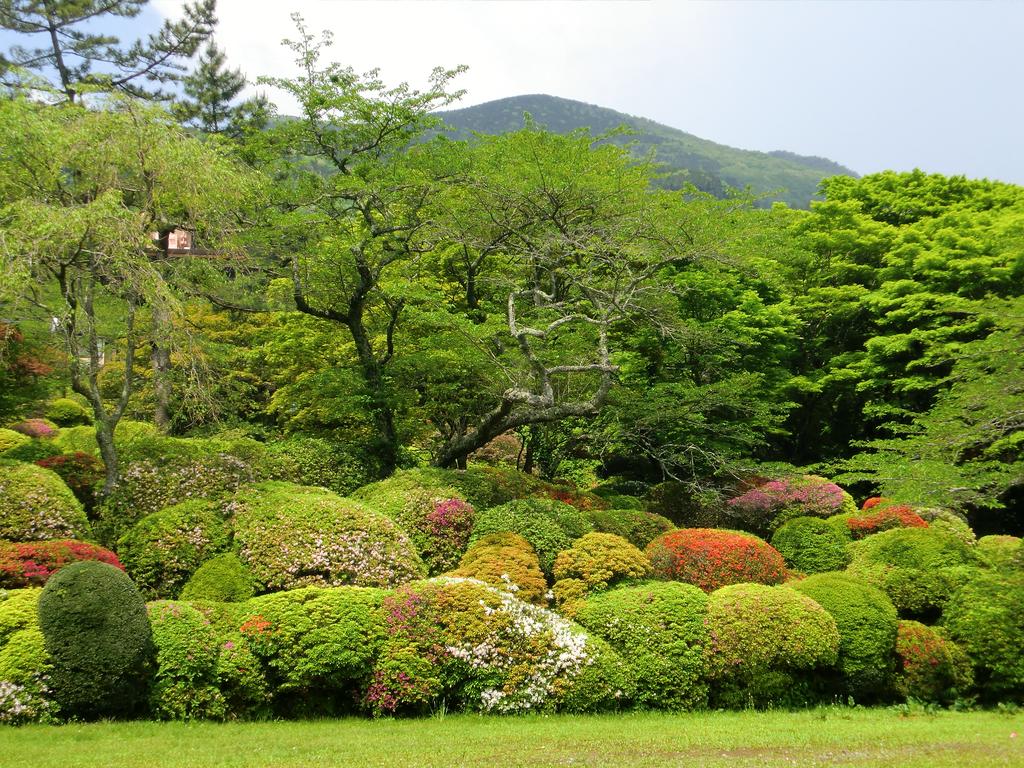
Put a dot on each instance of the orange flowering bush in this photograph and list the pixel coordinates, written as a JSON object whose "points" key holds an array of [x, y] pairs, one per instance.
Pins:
{"points": [[711, 558]]}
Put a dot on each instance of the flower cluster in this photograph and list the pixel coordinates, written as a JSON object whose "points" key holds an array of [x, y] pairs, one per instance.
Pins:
{"points": [[897, 516], [32, 563], [24, 703], [711, 558]]}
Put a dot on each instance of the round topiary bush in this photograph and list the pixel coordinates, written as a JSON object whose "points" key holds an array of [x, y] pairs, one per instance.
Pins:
{"points": [[711, 558], [9, 439], [549, 526], [931, 667], [867, 623], [33, 451], [986, 619], [65, 412], [293, 536], [187, 652], [1001, 553], [919, 568], [812, 545], [600, 560], [30, 564], [767, 646], [35, 505], [221, 579], [164, 549], [637, 527], [98, 636], [767, 506], [81, 472], [36, 428], [506, 561], [659, 631]]}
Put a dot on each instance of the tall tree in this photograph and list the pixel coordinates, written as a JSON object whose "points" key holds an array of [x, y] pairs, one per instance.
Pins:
{"points": [[68, 57], [210, 92]]}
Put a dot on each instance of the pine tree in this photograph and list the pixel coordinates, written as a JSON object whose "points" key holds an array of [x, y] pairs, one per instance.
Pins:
{"points": [[209, 93]]}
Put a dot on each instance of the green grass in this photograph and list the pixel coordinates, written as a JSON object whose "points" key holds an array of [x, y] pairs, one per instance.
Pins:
{"points": [[824, 737]]}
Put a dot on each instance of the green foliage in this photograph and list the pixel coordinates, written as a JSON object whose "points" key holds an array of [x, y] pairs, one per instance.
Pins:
{"points": [[812, 545], [162, 550], [316, 461], [98, 635], [867, 624], [35, 505], [549, 526], [18, 611], [601, 560], [187, 651], [919, 568], [293, 536], [1001, 553], [634, 525], [222, 579], [24, 670], [507, 561], [33, 451], [659, 631], [9, 439], [986, 619], [687, 506], [65, 412], [932, 668], [766, 646], [769, 504]]}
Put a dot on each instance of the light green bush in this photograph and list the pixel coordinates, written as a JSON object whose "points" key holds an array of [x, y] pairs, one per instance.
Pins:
{"points": [[187, 652], [222, 579], [36, 505], [65, 412], [812, 545]]}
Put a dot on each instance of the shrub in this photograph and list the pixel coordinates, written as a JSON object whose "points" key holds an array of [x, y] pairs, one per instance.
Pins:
{"points": [[766, 645], [502, 451], [294, 536], [549, 526], [885, 518], [874, 501], [35, 504], [30, 564], [18, 610], [950, 522], [65, 412], [919, 568], [639, 528], [164, 549], [315, 647], [600, 560], [318, 462], [81, 472], [36, 428], [812, 545], [567, 495], [33, 451], [147, 486], [222, 579], [659, 631], [10, 439], [97, 633], [479, 648], [931, 667], [1000, 552], [506, 561], [710, 558], [867, 622], [127, 435], [685, 506], [764, 508], [986, 619], [187, 651], [24, 663]]}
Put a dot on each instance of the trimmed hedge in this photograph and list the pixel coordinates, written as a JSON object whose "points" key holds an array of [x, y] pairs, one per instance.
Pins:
{"points": [[9, 439], [31, 563], [164, 549], [294, 536], [33, 451], [222, 579], [639, 528], [659, 631], [867, 624], [98, 635], [931, 667], [318, 462], [711, 558], [185, 684], [812, 545], [36, 505], [507, 561], [767, 645]]}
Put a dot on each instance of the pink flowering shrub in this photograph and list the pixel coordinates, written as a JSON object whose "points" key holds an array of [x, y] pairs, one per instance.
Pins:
{"points": [[36, 505], [36, 428], [765, 507]]}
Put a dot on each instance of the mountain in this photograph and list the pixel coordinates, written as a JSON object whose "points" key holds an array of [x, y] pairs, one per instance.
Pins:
{"points": [[686, 158]]}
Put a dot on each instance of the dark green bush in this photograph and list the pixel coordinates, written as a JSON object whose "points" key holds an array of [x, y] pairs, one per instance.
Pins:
{"points": [[687, 507], [187, 651], [65, 412], [812, 545], [659, 631], [867, 623], [767, 646], [986, 619], [931, 668], [222, 579], [294, 536], [36, 505], [162, 550], [919, 568], [98, 635], [636, 526], [507, 561]]}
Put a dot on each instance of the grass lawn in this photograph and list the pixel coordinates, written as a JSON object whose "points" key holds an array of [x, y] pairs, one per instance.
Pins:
{"points": [[824, 737]]}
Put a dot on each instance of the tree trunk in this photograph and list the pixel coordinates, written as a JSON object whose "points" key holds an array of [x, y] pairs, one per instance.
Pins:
{"points": [[386, 444], [160, 358]]}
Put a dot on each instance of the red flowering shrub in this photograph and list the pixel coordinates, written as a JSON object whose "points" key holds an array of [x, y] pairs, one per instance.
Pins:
{"points": [[36, 428], [931, 667], [711, 558], [764, 508], [31, 563], [874, 501], [896, 516], [82, 472]]}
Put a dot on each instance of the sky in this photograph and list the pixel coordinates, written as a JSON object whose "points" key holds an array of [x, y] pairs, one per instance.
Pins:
{"points": [[872, 85]]}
